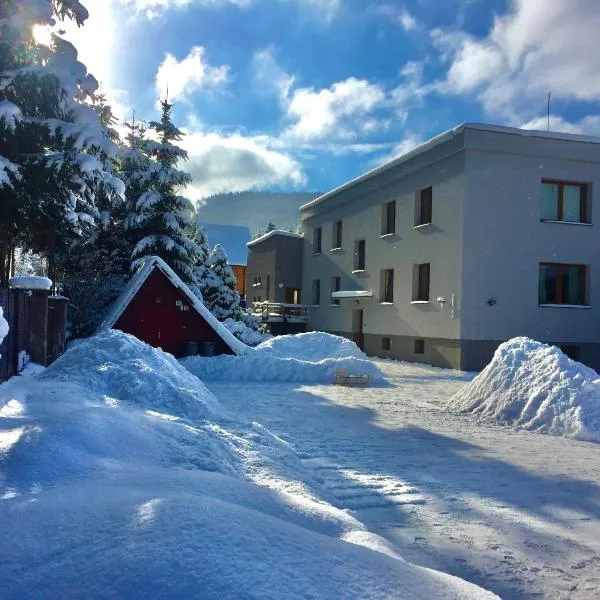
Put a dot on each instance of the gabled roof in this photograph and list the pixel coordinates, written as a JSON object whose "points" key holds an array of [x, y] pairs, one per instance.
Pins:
{"points": [[233, 239], [270, 234], [440, 139], [136, 282]]}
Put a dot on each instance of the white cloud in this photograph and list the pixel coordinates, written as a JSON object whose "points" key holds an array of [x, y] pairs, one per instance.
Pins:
{"points": [[269, 76], [327, 8], [406, 145], [233, 162], [589, 125], [536, 47], [338, 111], [154, 8], [183, 78], [398, 15]]}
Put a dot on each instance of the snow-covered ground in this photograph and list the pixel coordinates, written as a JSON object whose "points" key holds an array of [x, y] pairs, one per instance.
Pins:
{"points": [[514, 511], [123, 476]]}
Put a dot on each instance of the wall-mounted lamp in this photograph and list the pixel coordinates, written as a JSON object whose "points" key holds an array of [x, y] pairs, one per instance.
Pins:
{"points": [[491, 301], [441, 300]]}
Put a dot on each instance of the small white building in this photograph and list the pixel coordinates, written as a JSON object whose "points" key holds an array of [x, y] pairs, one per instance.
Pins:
{"points": [[481, 234]]}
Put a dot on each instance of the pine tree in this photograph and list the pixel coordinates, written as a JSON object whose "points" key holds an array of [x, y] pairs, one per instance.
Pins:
{"points": [[201, 263], [164, 220], [52, 148], [219, 294], [270, 227]]}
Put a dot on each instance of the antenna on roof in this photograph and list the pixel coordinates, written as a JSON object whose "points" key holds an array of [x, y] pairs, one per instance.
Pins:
{"points": [[548, 123]]}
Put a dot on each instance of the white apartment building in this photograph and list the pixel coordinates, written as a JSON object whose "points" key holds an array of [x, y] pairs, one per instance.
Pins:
{"points": [[481, 234]]}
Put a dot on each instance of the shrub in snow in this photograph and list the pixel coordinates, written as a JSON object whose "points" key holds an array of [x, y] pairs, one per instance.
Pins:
{"points": [[219, 293], [246, 334], [536, 387]]}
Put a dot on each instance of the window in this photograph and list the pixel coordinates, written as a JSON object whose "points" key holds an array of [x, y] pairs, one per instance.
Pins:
{"points": [[317, 234], [316, 292], [573, 351], [421, 277], [564, 201], [386, 344], [386, 291], [336, 240], [268, 288], [562, 284], [423, 206], [359, 255], [336, 286], [419, 347], [388, 218]]}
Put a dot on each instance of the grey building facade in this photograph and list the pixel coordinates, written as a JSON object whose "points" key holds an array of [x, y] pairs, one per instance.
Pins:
{"points": [[274, 270], [482, 234]]}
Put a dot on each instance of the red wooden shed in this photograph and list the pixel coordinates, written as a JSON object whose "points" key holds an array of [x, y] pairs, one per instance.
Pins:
{"points": [[159, 309]]}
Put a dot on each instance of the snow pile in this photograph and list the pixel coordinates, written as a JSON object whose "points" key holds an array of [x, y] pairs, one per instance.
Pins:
{"points": [[30, 282], [302, 358], [106, 494], [3, 326], [314, 345], [536, 387], [244, 333]]}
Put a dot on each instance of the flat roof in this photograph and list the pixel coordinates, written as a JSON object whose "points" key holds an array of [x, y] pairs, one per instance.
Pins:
{"points": [[444, 137], [273, 233]]}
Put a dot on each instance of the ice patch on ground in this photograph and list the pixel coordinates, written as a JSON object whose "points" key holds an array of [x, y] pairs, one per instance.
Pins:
{"points": [[303, 358], [121, 476], [536, 387]]}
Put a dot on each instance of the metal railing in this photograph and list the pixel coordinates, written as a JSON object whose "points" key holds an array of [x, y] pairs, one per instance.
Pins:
{"points": [[277, 311]]}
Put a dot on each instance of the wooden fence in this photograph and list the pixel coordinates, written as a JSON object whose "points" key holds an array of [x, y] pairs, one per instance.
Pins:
{"points": [[37, 327]]}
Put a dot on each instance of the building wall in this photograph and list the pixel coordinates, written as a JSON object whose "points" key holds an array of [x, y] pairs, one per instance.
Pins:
{"points": [[277, 259], [504, 242], [360, 209]]}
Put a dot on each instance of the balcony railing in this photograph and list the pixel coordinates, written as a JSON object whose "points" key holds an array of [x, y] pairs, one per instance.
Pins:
{"points": [[276, 312]]}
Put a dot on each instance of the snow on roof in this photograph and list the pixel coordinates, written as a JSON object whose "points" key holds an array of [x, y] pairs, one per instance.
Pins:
{"points": [[233, 239], [352, 294], [29, 282], [136, 283], [273, 233], [444, 137]]}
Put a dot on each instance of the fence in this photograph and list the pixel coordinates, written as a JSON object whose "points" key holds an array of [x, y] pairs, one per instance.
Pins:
{"points": [[37, 326]]}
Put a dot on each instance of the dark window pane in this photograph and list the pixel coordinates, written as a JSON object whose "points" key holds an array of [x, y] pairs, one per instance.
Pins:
{"points": [[336, 242], [572, 203], [386, 343], [317, 240], [387, 285], [572, 285], [548, 288], [316, 292], [423, 285], [389, 225], [359, 255], [424, 207], [549, 208], [336, 286], [419, 346]]}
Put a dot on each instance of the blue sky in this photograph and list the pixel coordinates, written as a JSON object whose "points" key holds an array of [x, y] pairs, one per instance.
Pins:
{"points": [[306, 94]]}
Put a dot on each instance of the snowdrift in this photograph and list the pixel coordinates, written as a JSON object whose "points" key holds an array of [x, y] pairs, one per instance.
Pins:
{"points": [[120, 477], [302, 358], [536, 387]]}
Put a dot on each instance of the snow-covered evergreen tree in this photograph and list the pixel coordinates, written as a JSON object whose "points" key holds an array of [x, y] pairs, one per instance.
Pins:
{"points": [[52, 148], [270, 227], [201, 263], [163, 219], [219, 293]]}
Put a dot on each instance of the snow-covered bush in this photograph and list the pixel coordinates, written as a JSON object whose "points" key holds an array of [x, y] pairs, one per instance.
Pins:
{"points": [[248, 335], [535, 386]]}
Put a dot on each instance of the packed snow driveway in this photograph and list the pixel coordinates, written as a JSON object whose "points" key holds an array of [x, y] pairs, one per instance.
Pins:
{"points": [[515, 512]]}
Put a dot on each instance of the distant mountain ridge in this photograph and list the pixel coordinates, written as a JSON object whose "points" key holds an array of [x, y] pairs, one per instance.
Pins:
{"points": [[255, 209]]}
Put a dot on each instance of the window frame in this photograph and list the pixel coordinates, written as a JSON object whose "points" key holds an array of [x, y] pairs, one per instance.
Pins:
{"points": [[357, 266], [336, 235], [317, 240], [386, 343], [583, 284], [336, 286], [419, 346], [383, 299], [418, 284], [388, 226], [316, 292], [584, 217], [423, 217]]}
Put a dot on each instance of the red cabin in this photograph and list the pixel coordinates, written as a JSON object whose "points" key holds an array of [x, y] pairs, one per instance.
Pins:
{"points": [[159, 309]]}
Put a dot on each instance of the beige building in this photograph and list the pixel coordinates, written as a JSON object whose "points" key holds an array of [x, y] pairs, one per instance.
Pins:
{"points": [[479, 235]]}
